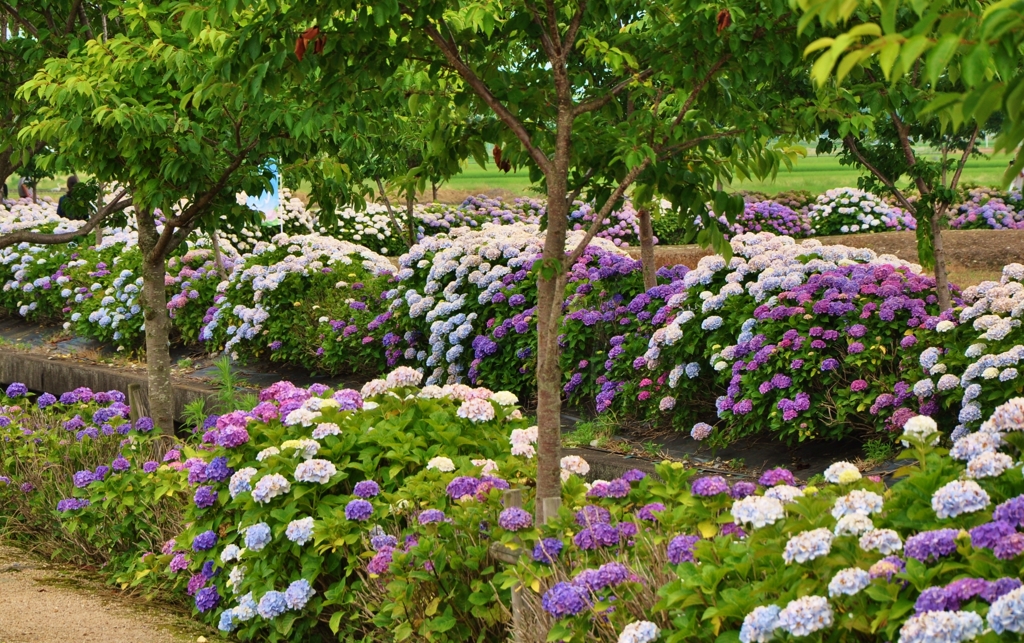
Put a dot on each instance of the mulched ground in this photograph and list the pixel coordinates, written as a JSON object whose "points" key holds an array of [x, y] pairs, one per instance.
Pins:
{"points": [[987, 250]]}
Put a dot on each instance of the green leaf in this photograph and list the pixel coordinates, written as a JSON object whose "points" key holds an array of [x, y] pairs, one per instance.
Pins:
{"points": [[940, 55]]}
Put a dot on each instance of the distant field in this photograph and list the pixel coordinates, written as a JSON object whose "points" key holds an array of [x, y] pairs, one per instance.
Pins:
{"points": [[816, 174]]}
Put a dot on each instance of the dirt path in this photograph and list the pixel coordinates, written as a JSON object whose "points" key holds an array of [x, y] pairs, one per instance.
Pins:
{"points": [[44, 603]]}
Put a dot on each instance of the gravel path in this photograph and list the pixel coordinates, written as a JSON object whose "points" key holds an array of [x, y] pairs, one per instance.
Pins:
{"points": [[44, 603]]}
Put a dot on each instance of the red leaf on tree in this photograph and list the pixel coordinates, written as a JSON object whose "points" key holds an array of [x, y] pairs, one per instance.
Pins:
{"points": [[724, 19], [503, 165], [308, 36]]}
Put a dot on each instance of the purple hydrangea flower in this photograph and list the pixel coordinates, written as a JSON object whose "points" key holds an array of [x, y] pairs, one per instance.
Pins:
{"points": [[204, 541], [680, 549], [150, 466], [647, 512], [742, 489], [710, 486], [931, 545], [564, 599], [120, 464], [17, 389], [547, 550], [597, 535], [634, 475], [462, 486], [45, 400], [207, 599], [205, 497], [366, 489], [593, 515], [430, 516], [987, 535], [358, 509]]}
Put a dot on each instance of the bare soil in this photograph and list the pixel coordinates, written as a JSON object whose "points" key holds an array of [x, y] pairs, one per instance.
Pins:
{"points": [[972, 255], [44, 603]]}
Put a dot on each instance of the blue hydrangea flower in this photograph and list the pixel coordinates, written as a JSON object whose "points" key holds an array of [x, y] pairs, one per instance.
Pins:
{"points": [[257, 536]]}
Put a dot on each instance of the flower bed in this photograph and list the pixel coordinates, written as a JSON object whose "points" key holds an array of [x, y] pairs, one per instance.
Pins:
{"points": [[372, 514]]}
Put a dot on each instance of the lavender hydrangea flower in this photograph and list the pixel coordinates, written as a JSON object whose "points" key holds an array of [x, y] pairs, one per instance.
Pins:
{"points": [[806, 615], [760, 624], [1007, 613], [298, 594], [17, 389], [257, 536], [595, 536], [300, 531], [272, 604], [988, 534], [462, 486], [515, 519], [430, 516]]}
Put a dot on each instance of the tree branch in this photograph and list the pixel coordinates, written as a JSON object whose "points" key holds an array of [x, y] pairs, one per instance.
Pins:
{"points": [[190, 214], [551, 48], [387, 204], [696, 90], [963, 158], [579, 188], [27, 236], [908, 150], [574, 26], [85, 22], [598, 103], [31, 28], [450, 52], [599, 217], [668, 150], [70, 22], [851, 144]]}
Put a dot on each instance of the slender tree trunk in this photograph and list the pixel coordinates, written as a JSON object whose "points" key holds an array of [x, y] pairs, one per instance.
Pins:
{"points": [[218, 258], [410, 216], [550, 292], [941, 278], [158, 325], [647, 249], [99, 205], [433, 190]]}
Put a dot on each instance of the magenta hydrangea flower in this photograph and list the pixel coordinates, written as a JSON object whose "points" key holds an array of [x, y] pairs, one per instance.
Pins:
{"points": [[777, 476], [710, 486]]}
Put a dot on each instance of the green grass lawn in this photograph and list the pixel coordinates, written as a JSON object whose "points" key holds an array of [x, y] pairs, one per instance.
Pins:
{"points": [[816, 174]]}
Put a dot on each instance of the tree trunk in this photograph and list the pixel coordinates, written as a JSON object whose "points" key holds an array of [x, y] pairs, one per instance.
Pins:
{"points": [[941, 278], [410, 217], [550, 292], [647, 249], [158, 325], [433, 189], [218, 258]]}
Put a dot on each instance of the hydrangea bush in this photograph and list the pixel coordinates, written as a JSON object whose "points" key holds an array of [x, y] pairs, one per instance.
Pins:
{"points": [[850, 210], [307, 300]]}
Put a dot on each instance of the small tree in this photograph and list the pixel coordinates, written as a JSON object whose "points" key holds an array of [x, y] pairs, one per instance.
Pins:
{"points": [[590, 95], [156, 110], [941, 70]]}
